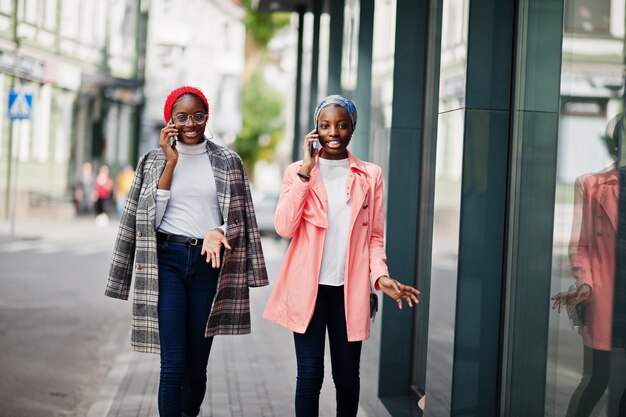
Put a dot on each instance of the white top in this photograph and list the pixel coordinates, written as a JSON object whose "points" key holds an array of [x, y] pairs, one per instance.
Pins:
{"points": [[335, 177], [190, 207]]}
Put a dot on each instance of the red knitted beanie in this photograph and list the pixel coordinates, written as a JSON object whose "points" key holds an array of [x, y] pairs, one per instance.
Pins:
{"points": [[175, 94]]}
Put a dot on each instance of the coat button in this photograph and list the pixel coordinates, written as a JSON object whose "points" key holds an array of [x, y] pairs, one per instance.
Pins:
{"points": [[236, 221], [139, 234], [365, 206], [365, 223], [138, 267]]}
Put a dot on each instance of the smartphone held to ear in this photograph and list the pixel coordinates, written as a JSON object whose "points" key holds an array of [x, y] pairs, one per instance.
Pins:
{"points": [[312, 147], [173, 139]]}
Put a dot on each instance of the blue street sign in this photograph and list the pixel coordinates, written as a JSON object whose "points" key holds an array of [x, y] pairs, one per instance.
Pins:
{"points": [[20, 105]]}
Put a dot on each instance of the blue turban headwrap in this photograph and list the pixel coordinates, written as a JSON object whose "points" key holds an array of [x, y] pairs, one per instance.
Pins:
{"points": [[341, 101]]}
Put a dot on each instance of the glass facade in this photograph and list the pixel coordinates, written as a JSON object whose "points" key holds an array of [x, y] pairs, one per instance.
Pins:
{"points": [[500, 130], [446, 219], [586, 365]]}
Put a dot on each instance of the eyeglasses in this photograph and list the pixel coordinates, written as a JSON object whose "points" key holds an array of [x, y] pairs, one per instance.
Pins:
{"points": [[198, 117]]}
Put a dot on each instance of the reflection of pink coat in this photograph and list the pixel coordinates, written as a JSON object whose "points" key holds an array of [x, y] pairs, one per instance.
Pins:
{"points": [[592, 251], [301, 215]]}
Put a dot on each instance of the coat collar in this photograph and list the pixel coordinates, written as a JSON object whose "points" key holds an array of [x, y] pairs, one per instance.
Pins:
{"points": [[356, 165], [221, 173], [356, 186]]}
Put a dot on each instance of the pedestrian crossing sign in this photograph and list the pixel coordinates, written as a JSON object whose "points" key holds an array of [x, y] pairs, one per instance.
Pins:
{"points": [[20, 105]]}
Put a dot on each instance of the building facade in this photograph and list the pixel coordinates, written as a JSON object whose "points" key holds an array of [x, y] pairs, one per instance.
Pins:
{"points": [[499, 125], [203, 48], [82, 63]]}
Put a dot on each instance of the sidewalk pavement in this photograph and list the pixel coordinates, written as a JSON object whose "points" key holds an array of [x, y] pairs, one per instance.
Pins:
{"points": [[248, 376], [58, 230]]}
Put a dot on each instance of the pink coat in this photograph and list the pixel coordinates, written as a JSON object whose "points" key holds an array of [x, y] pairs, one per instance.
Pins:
{"points": [[301, 215], [592, 252]]}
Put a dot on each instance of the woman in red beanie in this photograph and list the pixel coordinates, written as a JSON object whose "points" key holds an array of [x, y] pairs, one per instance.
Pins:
{"points": [[189, 234]]}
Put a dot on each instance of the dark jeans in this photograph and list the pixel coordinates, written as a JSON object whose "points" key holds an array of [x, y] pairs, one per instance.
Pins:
{"points": [[187, 286], [345, 357], [596, 367]]}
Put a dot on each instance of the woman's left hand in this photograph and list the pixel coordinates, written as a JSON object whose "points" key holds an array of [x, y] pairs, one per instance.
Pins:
{"points": [[212, 246], [398, 291]]}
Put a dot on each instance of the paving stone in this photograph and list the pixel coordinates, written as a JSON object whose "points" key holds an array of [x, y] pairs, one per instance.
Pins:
{"points": [[252, 375]]}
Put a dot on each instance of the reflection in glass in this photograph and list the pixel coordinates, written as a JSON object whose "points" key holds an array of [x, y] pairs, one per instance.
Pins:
{"points": [[447, 207], [586, 365], [589, 302]]}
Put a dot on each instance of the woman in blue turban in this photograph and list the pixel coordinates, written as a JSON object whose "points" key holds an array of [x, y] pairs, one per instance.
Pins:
{"points": [[331, 206]]}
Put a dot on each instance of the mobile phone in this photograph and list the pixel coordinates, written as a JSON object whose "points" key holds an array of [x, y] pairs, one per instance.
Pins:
{"points": [[173, 139], [313, 145]]}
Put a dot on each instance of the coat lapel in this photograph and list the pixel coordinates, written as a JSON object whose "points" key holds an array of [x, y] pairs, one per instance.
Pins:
{"points": [[357, 187], [222, 175], [317, 186], [607, 196]]}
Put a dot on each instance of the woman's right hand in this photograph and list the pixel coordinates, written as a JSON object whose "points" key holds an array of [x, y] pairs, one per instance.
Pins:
{"points": [[171, 153], [308, 161]]}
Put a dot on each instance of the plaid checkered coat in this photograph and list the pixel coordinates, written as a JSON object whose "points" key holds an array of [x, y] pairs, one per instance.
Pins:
{"points": [[135, 250]]}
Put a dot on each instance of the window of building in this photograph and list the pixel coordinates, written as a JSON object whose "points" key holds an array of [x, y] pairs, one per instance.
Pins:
{"points": [[70, 18], [6, 6], [588, 16], [28, 11], [50, 14]]}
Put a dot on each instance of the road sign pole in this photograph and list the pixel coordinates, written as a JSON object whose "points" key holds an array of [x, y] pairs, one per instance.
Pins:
{"points": [[7, 200], [15, 186], [20, 107]]}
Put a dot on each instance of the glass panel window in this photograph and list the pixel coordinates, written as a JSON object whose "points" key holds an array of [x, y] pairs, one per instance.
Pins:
{"points": [[446, 206], [585, 370], [6, 6], [41, 124], [31, 11], [87, 22], [69, 17], [350, 57], [50, 14], [590, 16], [63, 118]]}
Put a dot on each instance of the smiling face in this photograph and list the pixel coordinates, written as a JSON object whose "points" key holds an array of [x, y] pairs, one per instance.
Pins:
{"points": [[189, 132], [335, 131]]}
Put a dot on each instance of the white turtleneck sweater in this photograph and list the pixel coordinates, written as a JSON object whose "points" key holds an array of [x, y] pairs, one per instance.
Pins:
{"points": [[190, 207], [335, 176]]}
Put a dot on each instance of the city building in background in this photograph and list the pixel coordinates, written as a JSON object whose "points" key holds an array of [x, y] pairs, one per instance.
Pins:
{"points": [[499, 125], [199, 43], [71, 91]]}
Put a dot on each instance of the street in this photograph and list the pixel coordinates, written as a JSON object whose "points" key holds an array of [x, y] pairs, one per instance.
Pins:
{"points": [[58, 332], [65, 349]]}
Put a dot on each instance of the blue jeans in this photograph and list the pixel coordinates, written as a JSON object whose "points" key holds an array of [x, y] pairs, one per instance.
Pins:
{"points": [[344, 357], [187, 286]]}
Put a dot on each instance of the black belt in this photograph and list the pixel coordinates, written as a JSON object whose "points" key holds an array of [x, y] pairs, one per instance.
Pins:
{"points": [[179, 239]]}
